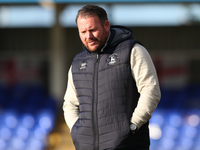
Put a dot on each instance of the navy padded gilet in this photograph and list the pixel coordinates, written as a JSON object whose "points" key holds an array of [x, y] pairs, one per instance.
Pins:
{"points": [[107, 95]]}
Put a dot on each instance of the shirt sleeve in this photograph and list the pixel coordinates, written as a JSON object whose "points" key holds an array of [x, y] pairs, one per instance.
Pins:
{"points": [[71, 103], [145, 75]]}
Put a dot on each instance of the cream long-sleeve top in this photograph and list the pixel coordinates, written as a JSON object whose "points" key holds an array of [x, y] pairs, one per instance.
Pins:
{"points": [[145, 76]]}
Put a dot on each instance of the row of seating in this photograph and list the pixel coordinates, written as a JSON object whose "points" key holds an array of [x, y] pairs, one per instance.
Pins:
{"points": [[27, 116], [175, 129], [28, 113], [175, 124], [186, 97]]}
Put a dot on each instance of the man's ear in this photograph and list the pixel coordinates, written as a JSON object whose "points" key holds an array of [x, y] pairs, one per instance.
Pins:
{"points": [[107, 25]]}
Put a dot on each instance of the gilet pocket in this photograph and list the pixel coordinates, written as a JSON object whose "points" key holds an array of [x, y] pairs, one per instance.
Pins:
{"points": [[74, 131]]}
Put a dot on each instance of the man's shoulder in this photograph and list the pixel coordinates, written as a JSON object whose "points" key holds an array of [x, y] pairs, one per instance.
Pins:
{"points": [[81, 54], [138, 46], [128, 43]]}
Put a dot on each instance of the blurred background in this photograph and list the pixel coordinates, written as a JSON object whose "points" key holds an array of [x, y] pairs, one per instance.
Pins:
{"points": [[38, 40]]}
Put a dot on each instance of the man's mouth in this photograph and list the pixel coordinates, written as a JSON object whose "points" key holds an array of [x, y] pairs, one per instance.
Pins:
{"points": [[91, 42]]}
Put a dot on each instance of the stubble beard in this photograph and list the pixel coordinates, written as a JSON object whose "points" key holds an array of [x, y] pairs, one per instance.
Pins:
{"points": [[98, 46]]}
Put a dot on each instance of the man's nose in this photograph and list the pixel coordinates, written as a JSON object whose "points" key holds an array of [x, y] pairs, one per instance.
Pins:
{"points": [[89, 35]]}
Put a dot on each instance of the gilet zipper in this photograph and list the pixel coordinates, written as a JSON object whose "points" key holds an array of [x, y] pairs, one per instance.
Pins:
{"points": [[95, 102]]}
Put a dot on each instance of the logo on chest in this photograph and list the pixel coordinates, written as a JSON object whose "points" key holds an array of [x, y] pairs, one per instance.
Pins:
{"points": [[112, 59], [83, 65]]}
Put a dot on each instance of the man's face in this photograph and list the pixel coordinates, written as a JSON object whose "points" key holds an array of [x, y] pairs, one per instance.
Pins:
{"points": [[92, 34]]}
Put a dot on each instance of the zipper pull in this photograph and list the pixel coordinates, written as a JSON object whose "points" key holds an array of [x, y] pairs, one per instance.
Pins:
{"points": [[97, 57]]}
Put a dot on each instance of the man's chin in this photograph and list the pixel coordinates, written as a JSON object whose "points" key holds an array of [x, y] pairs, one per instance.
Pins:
{"points": [[92, 49]]}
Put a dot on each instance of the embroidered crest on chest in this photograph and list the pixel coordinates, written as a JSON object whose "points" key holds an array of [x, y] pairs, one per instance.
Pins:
{"points": [[112, 59]]}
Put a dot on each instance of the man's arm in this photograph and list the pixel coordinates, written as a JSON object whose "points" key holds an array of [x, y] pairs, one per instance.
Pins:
{"points": [[145, 75], [71, 103]]}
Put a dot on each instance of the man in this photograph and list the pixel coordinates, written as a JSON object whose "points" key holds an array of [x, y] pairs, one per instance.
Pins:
{"points": [[112, 87]]}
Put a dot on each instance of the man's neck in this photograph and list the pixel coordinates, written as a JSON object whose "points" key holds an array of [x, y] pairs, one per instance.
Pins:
{"points": [[106, 41]]}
